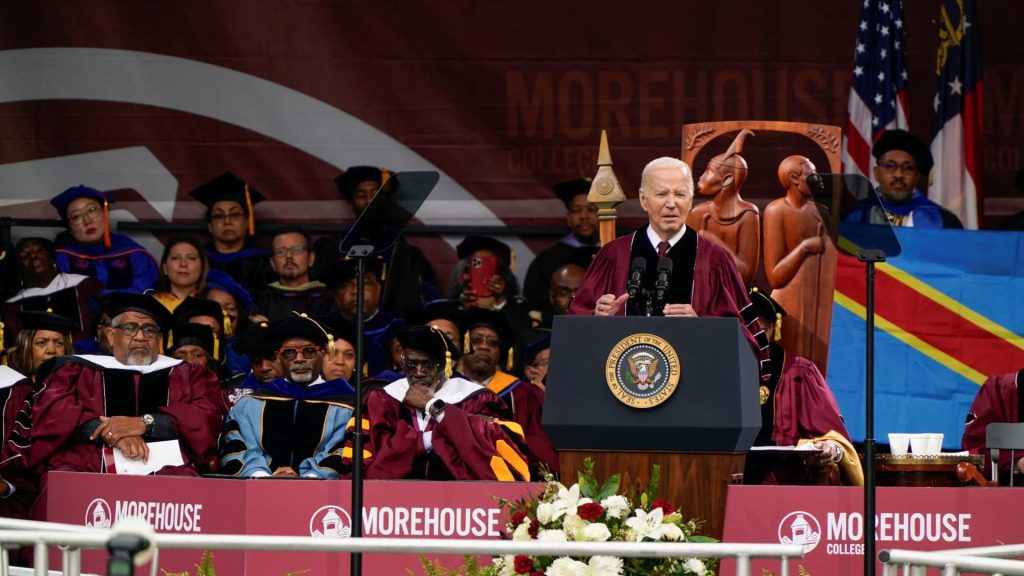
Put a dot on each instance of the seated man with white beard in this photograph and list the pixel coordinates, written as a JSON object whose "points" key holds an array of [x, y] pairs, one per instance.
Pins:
{"points": [[124, 401], [293, 425]]}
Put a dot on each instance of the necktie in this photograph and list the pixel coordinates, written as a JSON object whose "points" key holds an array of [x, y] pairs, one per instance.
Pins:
{"points": [[663, 249]]}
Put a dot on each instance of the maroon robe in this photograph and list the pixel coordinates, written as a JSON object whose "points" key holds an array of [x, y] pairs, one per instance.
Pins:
{"points": [[15, 389], [75, 394], [998, 400], [717, 287], [468, 443], [526, 402]]}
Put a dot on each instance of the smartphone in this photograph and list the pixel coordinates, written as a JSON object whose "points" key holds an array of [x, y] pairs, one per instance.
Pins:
{"points": [[481, 268]]}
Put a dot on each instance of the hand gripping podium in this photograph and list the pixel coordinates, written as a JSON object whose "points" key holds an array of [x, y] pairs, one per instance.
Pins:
{"points": [[634, 391]]}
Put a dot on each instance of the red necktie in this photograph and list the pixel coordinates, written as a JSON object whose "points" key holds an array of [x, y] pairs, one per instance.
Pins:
{"points": [[663, 249]]}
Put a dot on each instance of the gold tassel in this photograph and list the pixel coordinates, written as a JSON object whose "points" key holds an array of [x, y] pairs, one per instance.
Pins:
{"points": [[2, 328], [331, 349], [229, 328], [383, 272], [512, 260], [248, 206], [216, 347], [366, 369], [778, 326], [106, 224], [447, 351], [465, 342], [510, 361], [170, 340]]}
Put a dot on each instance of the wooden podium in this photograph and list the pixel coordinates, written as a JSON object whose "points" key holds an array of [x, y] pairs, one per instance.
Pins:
{"points": [[698, 433]]}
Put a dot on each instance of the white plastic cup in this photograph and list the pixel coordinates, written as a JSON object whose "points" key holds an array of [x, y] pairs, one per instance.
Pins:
{"points": [[919, 444], [898, 443], [935, 444]]}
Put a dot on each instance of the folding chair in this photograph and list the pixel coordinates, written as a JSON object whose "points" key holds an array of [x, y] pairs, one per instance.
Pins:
{"points": [[1003, 436]]}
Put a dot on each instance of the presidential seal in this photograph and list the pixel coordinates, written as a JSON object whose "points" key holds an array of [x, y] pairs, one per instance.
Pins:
{"points": [[642, 370]]}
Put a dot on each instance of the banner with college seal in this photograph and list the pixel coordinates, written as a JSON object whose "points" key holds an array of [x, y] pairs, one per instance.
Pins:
{"points": [[829, 522], [321, 509]]}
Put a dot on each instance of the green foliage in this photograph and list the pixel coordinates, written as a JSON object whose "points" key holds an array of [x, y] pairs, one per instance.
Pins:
{"points": [[470, 567], [588, 483]]}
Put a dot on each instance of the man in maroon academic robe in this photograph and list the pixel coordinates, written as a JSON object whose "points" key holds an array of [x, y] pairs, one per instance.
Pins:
{"points": [[797, 407], [123, 401], [703, 281], [429, 425], [998, 400]]}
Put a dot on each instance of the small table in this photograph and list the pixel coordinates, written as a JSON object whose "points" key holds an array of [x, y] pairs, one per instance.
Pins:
{"points": [[922, 471]]}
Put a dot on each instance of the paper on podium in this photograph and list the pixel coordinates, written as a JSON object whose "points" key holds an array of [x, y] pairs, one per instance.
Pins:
{"points": [[165, 453], [808, 447]]}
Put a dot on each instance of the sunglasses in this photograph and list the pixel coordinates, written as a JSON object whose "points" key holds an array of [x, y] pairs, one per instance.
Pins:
{"points": [[307, 352]]}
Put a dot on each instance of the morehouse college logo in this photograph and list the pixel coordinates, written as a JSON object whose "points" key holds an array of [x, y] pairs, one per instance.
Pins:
{"points": [[642, 370], [330, 522], [800, 528], [97, 514]]}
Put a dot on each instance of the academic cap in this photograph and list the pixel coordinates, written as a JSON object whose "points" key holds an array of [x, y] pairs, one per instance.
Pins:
{"points": [[356, 175], [255, 341], [299, 326], [120, 302], [191, 307], [907, 142], [581, 256], [337, 275], [228, 187], [566, 191], [64, 199], [767, 307], [341, 329], [428, 341], [63, 302], [471, 244], [536, 347], [478, 317], [32, 320], [195, 334]]}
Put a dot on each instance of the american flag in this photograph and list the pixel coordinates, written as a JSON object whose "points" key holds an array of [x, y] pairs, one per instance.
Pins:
{"points": [[878, 98], [957, 140]]}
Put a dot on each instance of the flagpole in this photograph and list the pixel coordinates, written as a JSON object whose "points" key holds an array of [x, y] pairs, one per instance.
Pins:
{"points": [[870, 258]]}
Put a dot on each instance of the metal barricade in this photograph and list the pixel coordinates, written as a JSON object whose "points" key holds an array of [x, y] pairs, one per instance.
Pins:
{"points": [[42, 535], [993, 560]]}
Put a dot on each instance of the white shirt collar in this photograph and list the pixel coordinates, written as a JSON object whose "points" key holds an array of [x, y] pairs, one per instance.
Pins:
{"points": [[162, 362], [455, 390], [654, 239], [9, 377]]}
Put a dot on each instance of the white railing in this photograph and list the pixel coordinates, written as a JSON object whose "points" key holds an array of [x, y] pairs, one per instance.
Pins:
{"points": [[72, 539], [993, 560]]}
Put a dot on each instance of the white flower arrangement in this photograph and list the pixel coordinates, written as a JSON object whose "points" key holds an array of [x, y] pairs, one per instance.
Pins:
{"points": [[592, 512]]}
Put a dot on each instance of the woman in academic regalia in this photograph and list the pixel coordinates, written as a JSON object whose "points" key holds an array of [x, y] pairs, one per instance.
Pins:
{"points": [[117, 261], [183, 269]]}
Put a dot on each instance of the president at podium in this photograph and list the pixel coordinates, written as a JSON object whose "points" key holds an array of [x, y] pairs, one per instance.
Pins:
{"points": [[666, 268]]}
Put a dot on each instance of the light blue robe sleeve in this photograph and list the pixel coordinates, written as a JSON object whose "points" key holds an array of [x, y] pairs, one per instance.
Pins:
{"points": [[243, 453]]}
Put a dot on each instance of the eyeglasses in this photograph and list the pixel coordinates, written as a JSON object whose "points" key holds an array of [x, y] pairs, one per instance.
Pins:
{"points": [[131, 329], [227, 216], [414, 366], [293, 251], [478, 340], [890, 166], [308, 352], [90, 213]]}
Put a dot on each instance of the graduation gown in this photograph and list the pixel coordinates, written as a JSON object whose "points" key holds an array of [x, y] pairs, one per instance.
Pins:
{"points": [[285, 424], [526, 403], [15, 392], [468, 443], [998, 400], [798, 407], [125, 266], [277, 302], [80, 389], [704, 276], [249, 266]]}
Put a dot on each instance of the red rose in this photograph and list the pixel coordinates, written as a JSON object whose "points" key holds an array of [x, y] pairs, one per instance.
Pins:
{"points": [[534, 528], [518, 517], [524, 565], [665, 505], [590, 511]]}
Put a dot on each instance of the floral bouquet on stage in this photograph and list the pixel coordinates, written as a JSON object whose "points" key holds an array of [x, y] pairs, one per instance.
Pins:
{"points": [[593, 512]]}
